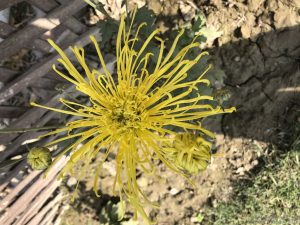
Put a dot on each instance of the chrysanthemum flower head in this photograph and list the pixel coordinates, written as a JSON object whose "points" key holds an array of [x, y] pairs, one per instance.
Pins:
{"points": [[129, 111]]}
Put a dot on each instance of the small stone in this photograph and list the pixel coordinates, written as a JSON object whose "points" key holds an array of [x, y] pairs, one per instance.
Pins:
{"points": [[254, 163], [246, 31], [240, 170], [143, 182], [248, 167], [71, 181], [2, 148], [174, 191], [237, 58], [214, 203]]}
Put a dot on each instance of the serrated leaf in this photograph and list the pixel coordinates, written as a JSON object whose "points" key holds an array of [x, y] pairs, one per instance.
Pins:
{"points": [[144, 15], [108, 29], [199, 22]]}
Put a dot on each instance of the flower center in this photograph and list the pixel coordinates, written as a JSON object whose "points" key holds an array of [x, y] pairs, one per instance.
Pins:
{"points": [[126, 114], [128, 111]]}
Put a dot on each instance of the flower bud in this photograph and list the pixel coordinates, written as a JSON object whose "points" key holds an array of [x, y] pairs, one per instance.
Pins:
{"points": [[39, 158], [189, 152]]}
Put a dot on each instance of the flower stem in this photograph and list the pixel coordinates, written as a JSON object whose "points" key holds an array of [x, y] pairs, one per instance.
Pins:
{"points": [[23, 130]]}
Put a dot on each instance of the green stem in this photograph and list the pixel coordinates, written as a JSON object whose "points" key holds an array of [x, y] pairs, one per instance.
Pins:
{"points": [[23, 130], [9, 162]]}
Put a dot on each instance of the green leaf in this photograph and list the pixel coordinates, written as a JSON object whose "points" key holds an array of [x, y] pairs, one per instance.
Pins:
{"points": [[144, 15], [199, 22], [109, 28]]}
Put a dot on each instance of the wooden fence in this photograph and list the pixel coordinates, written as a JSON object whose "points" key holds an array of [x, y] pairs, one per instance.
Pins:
{"points": [[26, 197]]}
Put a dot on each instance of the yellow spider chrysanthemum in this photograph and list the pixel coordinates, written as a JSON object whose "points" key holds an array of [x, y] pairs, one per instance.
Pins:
{"points": [[131, 110]]}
